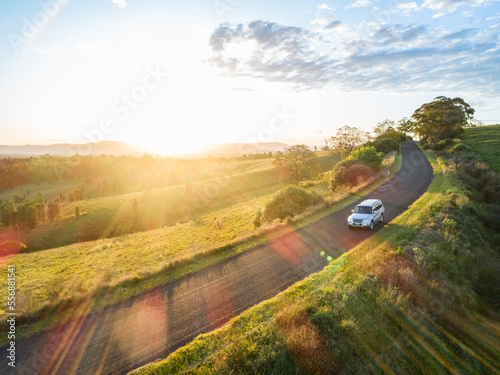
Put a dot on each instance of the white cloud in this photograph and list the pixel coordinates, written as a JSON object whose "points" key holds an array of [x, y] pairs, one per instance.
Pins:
{"points": [[324, 15], [120, 3], [394, 58], [407, 8], [449, 6], [359, 4]]}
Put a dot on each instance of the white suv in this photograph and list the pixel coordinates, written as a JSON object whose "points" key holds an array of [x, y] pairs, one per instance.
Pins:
{"points": [[367, 214]]}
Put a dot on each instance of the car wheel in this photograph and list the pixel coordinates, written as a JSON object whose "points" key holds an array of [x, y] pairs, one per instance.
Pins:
{"points": [[371, 225], [382, 218]]}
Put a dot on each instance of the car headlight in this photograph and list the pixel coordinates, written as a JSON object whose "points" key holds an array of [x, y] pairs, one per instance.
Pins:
{"points": [[366, 222]]}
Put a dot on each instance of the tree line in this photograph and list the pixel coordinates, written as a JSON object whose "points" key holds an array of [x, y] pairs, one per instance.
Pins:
{"points": [[28, 213], [433, 122]]}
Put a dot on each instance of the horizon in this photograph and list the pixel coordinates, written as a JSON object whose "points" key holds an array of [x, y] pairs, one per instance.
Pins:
{"points": [[176, 78]]}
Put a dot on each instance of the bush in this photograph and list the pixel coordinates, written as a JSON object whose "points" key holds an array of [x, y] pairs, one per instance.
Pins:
{"points": [[289, 201], [479, 177], [441, 145], [385, 145], [367, 155], [350, 172], [460, 147], [257, 219]]}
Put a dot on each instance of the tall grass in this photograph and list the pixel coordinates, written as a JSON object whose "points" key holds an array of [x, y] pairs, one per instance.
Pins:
{"points": [[485, 141]]}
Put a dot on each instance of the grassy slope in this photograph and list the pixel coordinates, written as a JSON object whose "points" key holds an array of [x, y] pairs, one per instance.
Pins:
{"points": [[112, 216], [144, 260], [401, 302], [485, 141], [52, 190]]}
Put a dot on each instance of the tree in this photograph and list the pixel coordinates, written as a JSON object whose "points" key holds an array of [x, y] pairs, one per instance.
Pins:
{"points": [[384, 127], [297, 163], [8, 213], [442, 118], [347, 138], [387, 129], [326, 147], [405, 125]]}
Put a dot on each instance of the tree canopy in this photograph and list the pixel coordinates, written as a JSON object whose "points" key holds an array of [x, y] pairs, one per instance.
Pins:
{"points": [[297, 162], [347, 138], [442, 118]]}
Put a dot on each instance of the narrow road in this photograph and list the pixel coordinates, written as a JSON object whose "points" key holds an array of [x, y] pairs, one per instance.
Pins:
{"points": [[148, 327]]}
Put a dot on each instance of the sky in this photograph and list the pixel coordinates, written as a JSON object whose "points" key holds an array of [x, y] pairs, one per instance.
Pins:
{"points": [[176, 77]]}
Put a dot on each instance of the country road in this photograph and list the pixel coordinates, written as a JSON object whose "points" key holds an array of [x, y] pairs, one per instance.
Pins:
{"points": [[148, 327]]}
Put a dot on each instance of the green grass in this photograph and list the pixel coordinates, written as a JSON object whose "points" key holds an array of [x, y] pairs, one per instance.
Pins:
{"points": [[404, 301], [485, 141], [113, 216], [88, 275]]}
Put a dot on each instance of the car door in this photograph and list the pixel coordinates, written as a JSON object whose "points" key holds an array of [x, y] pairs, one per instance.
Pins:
{"points": [[377, 212]]}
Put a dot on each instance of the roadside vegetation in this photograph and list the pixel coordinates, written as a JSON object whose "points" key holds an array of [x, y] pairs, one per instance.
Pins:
{"points": [[421, 296], [485, 141]]}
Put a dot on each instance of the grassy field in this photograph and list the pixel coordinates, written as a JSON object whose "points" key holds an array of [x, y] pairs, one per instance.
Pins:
{"points": [[485, 141], [411, 299], [114, 216], [89, 275]]}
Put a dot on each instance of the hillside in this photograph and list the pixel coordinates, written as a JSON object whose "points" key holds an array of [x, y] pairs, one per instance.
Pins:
{"points": [[420, 297], [485, 141]]}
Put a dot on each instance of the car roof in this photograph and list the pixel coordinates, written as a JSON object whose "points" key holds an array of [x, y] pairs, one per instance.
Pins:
{"points": [[369, 202]]}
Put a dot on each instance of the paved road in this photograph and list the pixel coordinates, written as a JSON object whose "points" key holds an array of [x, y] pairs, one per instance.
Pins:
{"points": [[120, 338]]}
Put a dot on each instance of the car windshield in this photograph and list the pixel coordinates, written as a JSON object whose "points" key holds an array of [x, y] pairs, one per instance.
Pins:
{"points": [[363, 210]]}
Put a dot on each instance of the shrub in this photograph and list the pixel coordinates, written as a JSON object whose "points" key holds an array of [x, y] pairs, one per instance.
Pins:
{"points": [[385, 145], [257, 219], [289, 201], [350, 172], [441, 145], [367, 155], [479, 177], [460, 147]]}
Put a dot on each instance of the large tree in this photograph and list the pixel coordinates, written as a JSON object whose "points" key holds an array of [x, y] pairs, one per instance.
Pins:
{"points": [[405, 125], [297, 163], [347, 138], [442, 118]]}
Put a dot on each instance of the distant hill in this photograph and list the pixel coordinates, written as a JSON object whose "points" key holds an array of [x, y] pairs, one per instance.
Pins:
{"points": [[238, 149], [68, 149]]}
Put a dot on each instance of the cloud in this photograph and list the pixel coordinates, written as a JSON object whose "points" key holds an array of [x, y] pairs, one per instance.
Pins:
{"points": [[449, 6], [359, 4], [120, 3], [324, 15], [395, 58], [407, 8], [332, 25]]}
